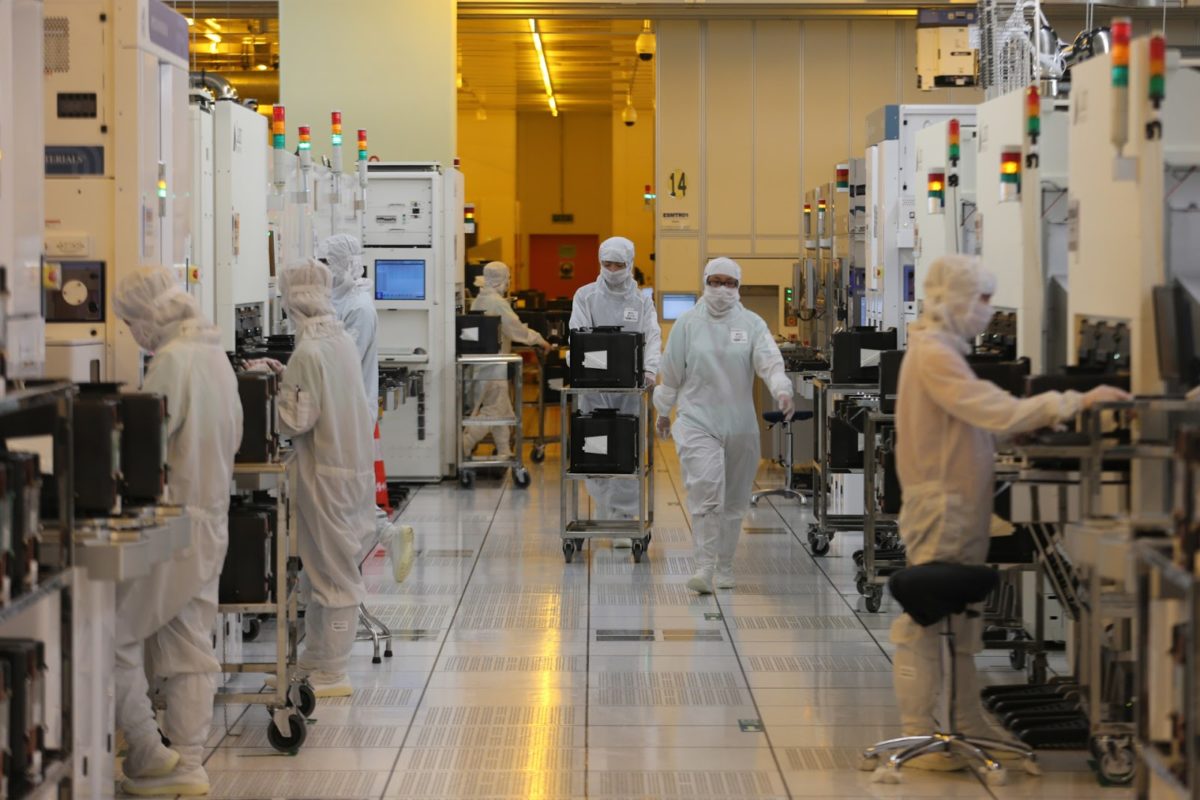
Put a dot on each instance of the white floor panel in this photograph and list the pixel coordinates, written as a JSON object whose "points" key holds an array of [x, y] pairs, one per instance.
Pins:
{"points": [[516, 675]]}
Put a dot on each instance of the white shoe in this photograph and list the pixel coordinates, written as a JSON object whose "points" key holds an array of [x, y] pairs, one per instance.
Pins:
{"points": [[724, 578], [187, 782], [622, 544], [157, 760], [329, 684], [399, 542], [701, 582]]}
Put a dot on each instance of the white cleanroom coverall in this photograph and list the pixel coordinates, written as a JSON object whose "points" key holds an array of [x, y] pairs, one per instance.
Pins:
{"points": [[614, 300], [493, 398], [946, 423], [713, 353], [321, 409], [170, 612]]}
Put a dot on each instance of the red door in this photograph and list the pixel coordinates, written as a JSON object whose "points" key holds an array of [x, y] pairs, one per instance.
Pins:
{"points": [[561, 263]]}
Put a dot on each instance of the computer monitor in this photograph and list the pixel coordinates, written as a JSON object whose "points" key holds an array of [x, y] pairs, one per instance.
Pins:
{"points": [[675, 303], [400, 279]]}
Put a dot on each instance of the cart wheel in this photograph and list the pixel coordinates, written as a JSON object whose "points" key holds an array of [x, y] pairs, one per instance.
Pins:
{"points": [[579, 545], [1040, 670], [466, 478], [874, 599], [303, 698], [818, 543], [521, 477], [1018, 658], [639, 548], [860, 583], [568, 550], [537, 454], [251, 628], [1114, 759], [291, 741]]}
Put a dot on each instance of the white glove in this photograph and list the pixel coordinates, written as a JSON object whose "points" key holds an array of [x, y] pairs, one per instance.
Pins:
{"points": [[786, 404], [265, 365], [1104, 394], [663, 427], [649, 379], [1194, 394]]}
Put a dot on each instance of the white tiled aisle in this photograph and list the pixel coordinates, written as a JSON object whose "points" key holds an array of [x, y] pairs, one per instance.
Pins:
{"points": [[519, 676]]}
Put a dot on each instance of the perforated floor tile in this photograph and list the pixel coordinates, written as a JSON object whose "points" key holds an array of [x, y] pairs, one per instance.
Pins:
{"points": [[679, 784], [492, 785], [297, 785]]}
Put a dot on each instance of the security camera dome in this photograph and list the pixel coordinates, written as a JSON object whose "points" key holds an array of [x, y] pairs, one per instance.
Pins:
{"points": [[646, 46], [629, 116]]}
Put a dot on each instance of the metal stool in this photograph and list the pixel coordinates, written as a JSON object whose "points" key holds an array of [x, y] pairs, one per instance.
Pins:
{"points": [[371, 629], [933, 593], [773, 418]]}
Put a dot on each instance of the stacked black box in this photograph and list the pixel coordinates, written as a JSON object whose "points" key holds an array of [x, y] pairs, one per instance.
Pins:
{"points": [[477, 334], [246, 575], [97, 454], [606, 358], [604, 442], [25, 662], [25, 485], [143, 447], [847, 354], [260, 439]]}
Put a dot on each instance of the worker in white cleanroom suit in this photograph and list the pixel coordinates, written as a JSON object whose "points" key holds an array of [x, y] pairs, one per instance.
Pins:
{"points": [[614, 300], [169, 614], [355, 309], [946, 423], [493, 398], [321, 408], [713, 353]]}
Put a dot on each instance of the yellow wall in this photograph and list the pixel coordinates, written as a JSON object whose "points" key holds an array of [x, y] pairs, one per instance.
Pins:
{"points": [[633, 170], [564, 164], [389, 67], [488, 150]]}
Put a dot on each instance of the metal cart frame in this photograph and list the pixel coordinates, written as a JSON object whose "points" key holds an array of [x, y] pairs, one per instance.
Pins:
{"points": [[466, 467], [537, 453], [822, 530], [575, 530], [870, 581], [291, 700]]}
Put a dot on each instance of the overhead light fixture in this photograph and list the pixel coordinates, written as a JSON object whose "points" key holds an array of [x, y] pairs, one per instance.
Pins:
{"points": [[190, 21], [215, 38], [481, 114], [262, 68], [212, 23], [541, 54]]}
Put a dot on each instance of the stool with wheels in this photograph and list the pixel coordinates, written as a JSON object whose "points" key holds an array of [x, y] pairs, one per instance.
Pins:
{"points": [[931, 594], [773, 418]]}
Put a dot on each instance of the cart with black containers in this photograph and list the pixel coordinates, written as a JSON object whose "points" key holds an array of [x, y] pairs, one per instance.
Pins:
{"points": [[475, 372], [604, 443]]}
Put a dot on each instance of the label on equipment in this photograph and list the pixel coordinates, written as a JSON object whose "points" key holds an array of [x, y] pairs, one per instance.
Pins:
{"points": [[595, 445], [595, 359], [1072, 226], [469, 334], [738, 336], [631, 315]]}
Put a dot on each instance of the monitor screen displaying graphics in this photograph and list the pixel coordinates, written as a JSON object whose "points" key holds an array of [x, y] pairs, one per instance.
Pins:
{"points": [[675, 303], [400, 279]]}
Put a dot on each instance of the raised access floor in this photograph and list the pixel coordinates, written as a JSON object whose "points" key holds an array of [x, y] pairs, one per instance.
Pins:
{"points": [[519, 676]]}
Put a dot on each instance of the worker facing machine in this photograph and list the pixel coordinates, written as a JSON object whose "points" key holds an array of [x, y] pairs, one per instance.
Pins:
{"points": [[169, 614], [946, 423], [494, 399], [321, 408], [713, 353], [614, 300]]}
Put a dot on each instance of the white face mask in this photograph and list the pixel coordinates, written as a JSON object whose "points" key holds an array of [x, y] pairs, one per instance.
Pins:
{"points": [[979, 318], [720, 298], [616, 278]]}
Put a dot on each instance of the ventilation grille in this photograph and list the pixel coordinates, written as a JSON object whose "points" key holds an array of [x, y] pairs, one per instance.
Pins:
{"points": [[56, 44]]}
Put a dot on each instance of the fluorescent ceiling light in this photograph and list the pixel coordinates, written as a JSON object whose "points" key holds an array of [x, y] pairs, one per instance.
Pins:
{"points": [[541, 54], [213, 37]]}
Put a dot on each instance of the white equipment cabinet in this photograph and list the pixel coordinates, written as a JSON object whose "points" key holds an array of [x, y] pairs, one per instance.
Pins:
{"points": [[412, 237], [892, 189], [944, 226], [200, 241], [118, 164]]}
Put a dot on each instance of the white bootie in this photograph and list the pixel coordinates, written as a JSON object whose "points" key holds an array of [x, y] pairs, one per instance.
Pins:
{"points": [[398, 539], [702, 581], [190, 782], [706, 530], [724, 577], [149, 759], [329, 684]]}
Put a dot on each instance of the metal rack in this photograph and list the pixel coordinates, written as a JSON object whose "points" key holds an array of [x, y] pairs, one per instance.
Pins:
{"points": [[290, 701], [826, 524], [1170, 774], [466, 367], [575, 530], [537, 453], [873, 572]]}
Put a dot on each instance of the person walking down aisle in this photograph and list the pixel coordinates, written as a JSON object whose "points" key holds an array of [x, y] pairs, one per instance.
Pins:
{"points": [[614, 300], [713, 353], [946, 423], [355, 309], [169, 614], [493, 399], [321, 408]]}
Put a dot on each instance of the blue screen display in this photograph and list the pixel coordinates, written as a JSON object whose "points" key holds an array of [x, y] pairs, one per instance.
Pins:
{"points": [[400, 279], [675, 304]]}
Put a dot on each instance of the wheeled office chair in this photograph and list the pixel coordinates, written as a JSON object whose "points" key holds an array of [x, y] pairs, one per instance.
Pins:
{"points": [[933, 593], [773, 418]]}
